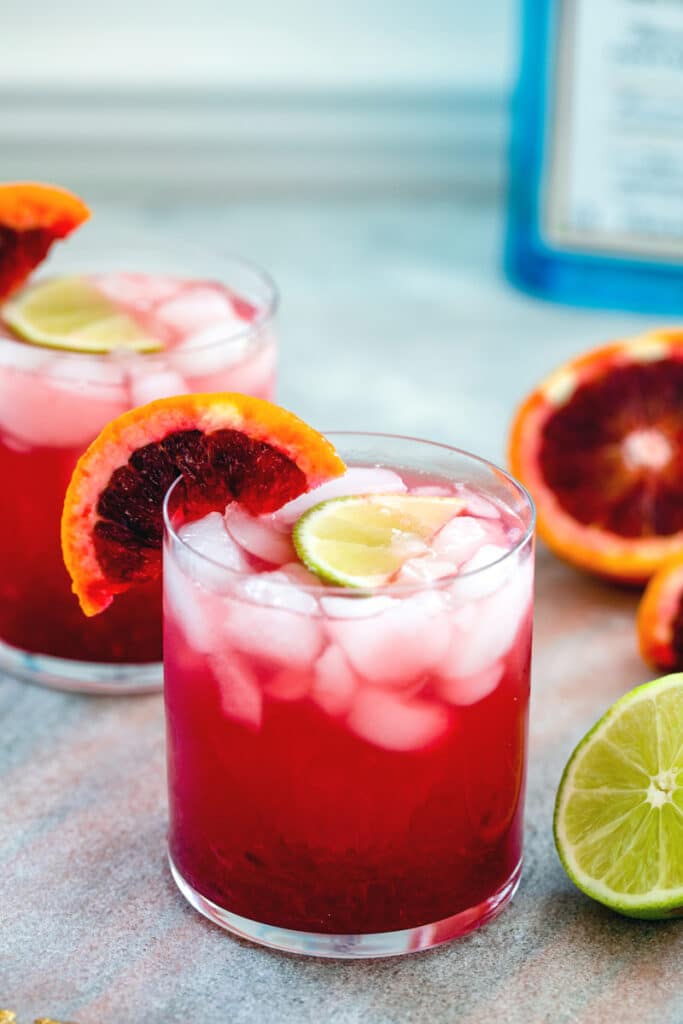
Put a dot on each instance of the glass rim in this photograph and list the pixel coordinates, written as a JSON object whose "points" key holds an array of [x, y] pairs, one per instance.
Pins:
{"points": [[323, 589], [264, 317]]}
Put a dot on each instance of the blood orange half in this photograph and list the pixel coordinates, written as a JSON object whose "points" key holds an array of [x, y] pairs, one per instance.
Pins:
{"points": [[660, 618], [600, 446], [32, 217], [227, 447]]}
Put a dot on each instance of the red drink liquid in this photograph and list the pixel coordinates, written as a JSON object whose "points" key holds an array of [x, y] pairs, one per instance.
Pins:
{"points": [[38, 612], [355, 785], [52, 405]]}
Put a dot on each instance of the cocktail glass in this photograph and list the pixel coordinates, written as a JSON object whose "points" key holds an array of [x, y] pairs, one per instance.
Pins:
{"points": [[346, 771], [53, 404]]}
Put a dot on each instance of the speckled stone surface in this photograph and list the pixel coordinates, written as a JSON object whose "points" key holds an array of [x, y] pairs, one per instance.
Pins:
{"points": [[393, 319]]}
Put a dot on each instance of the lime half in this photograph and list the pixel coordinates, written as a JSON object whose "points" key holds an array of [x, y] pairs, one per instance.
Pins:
{"points": [[362, 541], [70, 313], [619, 808]]}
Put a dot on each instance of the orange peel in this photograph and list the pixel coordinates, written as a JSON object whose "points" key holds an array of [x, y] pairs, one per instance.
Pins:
{"points": [[226, 446]]}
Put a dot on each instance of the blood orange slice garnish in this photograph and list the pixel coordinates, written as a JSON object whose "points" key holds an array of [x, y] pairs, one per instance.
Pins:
{"points": [[600, 446], [227, 447], [32, 217], [660, 618]]}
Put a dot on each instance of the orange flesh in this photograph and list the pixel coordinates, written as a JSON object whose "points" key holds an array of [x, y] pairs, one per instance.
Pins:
{"points": [[600, 446], [613, 455], [226, 446]]}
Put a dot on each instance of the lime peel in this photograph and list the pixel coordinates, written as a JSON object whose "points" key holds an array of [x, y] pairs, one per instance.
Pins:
{"points": [[363, 540], [618, 820]]}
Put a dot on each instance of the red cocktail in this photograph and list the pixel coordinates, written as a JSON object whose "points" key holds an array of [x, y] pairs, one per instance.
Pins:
{"points": [[213, 336], [346, 769]]}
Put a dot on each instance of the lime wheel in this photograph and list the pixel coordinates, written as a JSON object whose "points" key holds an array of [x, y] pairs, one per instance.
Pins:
{"points": [[227, 447], [72, 313], [32, 217], [618, 819], [363, 541], [599, 444]]}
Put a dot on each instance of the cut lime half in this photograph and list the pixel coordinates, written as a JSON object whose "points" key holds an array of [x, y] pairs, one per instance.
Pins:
{"points": [[363, 541], [619, 808], [70, 313]]}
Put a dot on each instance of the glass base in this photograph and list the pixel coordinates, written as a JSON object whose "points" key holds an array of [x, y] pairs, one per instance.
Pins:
{"points": [[350, 947], [81, 676]]}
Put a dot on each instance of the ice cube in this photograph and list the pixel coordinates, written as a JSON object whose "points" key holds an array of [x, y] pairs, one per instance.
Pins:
{"points": [[146, 385], [81, 373], [395, 723], [278, 590], [21, 356], [355, 606], [465, 690], [335, 683], [476, 504], [197, 307], [493, 572], [288, 684], [213, 350], [137, 292], [356, 480], [298, 573], [400, 644], [283, 637], [263, 536], [64, 404], [276, 620], [432, 491], [241, 697], [426, 569], [484, 630], [459, 539], [209, 537], [194, 610]]}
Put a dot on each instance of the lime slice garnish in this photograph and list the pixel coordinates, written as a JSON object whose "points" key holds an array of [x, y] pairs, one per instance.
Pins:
{"points": [[362, 541], [619, 808], [70, 313]]}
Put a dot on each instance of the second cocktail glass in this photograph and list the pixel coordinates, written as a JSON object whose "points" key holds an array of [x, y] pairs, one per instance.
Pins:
{"points": [[219, 335]]}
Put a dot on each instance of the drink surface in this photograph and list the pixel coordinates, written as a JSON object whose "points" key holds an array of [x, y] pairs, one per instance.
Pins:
{"points": [[52, 405], [343, 763]]}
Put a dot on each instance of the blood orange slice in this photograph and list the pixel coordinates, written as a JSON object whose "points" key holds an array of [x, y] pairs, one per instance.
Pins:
{"points": [[226, 446], [660, 618], [32, 217], [600, 446]]}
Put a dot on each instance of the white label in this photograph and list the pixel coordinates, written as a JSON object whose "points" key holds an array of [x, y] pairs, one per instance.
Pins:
{"points": [[614, 180]]}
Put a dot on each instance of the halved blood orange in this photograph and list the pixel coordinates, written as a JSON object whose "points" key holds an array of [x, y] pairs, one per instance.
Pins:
{"points": [[660, 618], [32, 217], [227, 447], [599, 444]]}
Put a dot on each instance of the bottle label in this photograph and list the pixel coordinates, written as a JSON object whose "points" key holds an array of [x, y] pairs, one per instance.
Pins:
{"points": [[614, 136]]}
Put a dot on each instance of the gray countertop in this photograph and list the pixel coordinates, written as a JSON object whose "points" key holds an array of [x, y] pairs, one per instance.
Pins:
{"points": [[394, 318]]}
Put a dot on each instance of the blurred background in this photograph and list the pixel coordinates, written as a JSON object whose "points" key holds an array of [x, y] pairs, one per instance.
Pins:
{"points": [[264, 97], [358, 151]]}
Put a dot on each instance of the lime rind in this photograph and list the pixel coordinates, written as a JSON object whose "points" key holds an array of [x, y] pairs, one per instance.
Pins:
{"points": [[622, 844], [361, 541], [70, 314]]}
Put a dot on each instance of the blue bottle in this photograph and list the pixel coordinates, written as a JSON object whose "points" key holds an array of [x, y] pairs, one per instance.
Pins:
{"points": [[595, 211]]}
